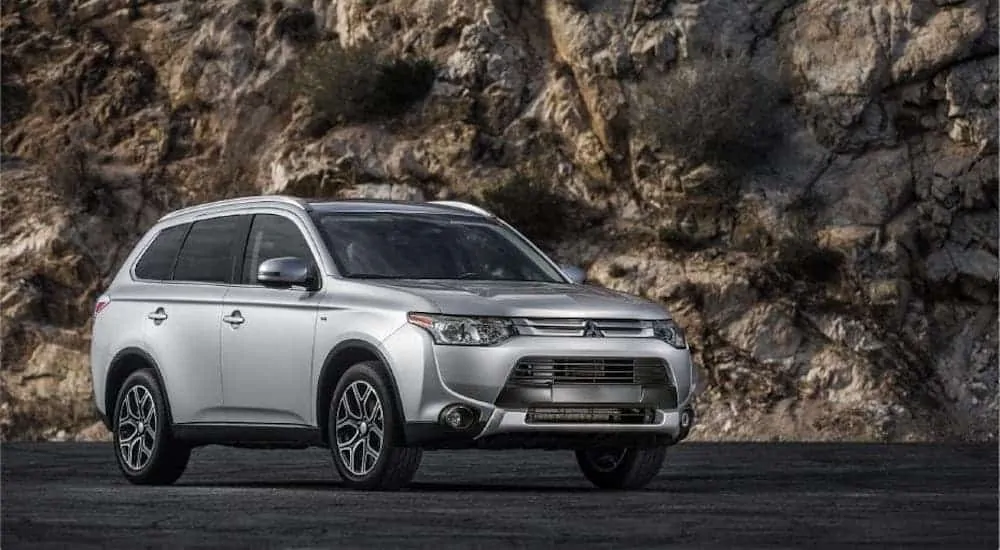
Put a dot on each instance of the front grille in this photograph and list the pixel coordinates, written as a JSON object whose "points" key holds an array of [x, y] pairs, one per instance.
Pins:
{"points": [[609, 328], [546, 371], [590, 415]]}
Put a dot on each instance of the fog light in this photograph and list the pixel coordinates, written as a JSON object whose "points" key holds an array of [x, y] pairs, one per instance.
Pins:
{"points": [[458, 417], [686, 418]]}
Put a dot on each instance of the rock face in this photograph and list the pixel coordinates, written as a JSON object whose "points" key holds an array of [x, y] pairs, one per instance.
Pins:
{"points": [[844, 286]]}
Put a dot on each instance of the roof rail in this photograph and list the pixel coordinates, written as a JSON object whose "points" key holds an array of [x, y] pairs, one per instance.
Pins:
{"points": [[240, 201], [467, 207]]}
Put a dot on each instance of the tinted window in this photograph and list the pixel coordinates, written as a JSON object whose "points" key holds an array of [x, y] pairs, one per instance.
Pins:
{"points": [[406, 246], [207, 254], [157, 260], [272, 237]]}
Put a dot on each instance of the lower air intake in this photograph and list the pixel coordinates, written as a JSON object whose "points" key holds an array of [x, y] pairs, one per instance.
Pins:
{"points": [[590, 415]]}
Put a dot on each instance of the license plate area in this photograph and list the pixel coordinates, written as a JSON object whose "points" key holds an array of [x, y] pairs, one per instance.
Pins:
{"points": [[590, 415], [597, 394]]}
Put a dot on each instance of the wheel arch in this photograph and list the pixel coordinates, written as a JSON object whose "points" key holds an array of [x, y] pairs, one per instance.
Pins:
{"points": [[342, 357], [124, 363]]}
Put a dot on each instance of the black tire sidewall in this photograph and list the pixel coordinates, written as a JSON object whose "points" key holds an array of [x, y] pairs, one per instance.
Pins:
{"points": [[371, 373], [161, 442], [636, 469]]}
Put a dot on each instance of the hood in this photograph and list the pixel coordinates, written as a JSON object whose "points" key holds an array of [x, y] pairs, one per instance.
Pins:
{"points": [[528, 299]]}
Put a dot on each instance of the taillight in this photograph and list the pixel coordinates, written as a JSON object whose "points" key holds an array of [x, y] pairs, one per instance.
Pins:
{"points": [[102, 302]]}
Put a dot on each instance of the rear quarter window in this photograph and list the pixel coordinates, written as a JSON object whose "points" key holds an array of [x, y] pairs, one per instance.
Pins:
{"points": [[157, 261]]}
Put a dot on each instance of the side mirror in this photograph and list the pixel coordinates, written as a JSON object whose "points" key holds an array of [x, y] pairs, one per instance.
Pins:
{"points": [[285, 272], [575, 274]]}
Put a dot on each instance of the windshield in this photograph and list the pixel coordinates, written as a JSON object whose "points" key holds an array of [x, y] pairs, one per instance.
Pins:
{"points": [[409, 246]]}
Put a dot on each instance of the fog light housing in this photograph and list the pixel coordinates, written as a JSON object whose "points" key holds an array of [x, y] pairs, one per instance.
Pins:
{"points": [[458, 417], [686, 421]]}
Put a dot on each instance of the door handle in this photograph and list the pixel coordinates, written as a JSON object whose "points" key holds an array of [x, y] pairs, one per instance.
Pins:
{"points": [[234, 318], [158, 315]]}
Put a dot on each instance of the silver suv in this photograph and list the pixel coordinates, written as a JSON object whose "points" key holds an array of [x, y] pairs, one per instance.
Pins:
{"points": [[377, 329]]}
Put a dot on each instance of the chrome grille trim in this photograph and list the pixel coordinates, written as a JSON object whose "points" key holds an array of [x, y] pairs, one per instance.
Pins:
{"points": [[546, 371], [611, 328]]}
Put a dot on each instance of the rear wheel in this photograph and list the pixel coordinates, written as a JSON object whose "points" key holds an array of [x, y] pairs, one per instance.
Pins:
{"points": [[621, 468], [144, 448], [364, 432]]}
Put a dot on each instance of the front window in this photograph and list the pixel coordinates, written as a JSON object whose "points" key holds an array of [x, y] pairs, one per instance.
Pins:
{"points": [[410, 246]]}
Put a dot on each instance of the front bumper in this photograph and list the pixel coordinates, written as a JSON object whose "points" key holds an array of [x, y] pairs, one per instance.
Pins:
{"points": [[431, 377]]}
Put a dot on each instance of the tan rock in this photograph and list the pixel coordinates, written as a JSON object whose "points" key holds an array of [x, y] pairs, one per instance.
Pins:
{"points": [[889, 156]]}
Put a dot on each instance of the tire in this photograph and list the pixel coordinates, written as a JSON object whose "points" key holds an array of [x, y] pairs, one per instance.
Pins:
{"points": [[621, 468], [361, 416], [145, 451]]}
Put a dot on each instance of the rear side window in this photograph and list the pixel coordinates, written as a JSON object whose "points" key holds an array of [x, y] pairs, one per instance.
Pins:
{"points": [[273, 236], [158, 259], [207, 253]]}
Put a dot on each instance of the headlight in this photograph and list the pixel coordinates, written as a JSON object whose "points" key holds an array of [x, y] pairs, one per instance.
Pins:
{"points": [[463, 331], [669, 332]]}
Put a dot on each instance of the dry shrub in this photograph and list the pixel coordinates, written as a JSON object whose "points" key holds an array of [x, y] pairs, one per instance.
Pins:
{"points": [[530, 202], [71, 177], [797, 260], [715, 110], [357, 85]]}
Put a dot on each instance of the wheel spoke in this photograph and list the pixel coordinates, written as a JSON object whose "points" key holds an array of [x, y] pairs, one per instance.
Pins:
{"points": [[364, 400], [376, 413], [371, 452], [128, 440], [137, 398], [148, 415], [127, 406], [343, 444], [358, 445], [144, 400], [145, 451], [356, 397], [345, 414], [133, 454], [349, 423], [127, 423]]}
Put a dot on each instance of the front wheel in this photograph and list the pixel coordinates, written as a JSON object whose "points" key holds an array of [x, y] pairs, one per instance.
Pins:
{"points": [[365, 435], [621, 468]]}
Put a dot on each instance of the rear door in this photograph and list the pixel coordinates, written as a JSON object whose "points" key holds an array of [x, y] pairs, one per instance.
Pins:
{"points": [[267, 340], [183, 317]]}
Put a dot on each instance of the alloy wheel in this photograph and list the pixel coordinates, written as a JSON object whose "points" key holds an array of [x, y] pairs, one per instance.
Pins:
{"points": [[360, 428], [137, 426]]}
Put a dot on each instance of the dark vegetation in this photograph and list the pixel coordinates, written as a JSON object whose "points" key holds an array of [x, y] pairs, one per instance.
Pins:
{"points": [[529, 203], [71, 177], [359, 85], [716, 110], [796, 260]]}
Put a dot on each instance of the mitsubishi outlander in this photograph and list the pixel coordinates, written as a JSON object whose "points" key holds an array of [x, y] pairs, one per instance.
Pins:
{"points": [[377, 329]]}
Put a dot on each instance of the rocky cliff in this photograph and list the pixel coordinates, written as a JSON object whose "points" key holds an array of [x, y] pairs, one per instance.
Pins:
{"points": [[810, 186]]}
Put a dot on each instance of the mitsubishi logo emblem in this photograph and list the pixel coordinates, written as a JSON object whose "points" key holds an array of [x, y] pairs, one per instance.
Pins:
{"points": [[591, 330]]}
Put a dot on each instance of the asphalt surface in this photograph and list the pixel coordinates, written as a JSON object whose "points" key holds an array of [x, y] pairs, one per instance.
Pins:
{"points": [[58, 495]]}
